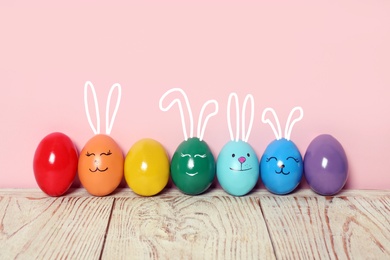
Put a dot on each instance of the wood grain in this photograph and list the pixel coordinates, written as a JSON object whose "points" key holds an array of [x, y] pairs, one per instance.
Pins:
{"points": [[316, 227], [184, 227], [53, 228], [214, 225]]}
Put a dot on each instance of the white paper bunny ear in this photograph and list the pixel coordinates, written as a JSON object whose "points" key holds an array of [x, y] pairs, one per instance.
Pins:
{"points": [[109, 123], [229, 105], [177, 101], [201, 133], [245, 135], [87, 85], [278, 133], [288, 127]]}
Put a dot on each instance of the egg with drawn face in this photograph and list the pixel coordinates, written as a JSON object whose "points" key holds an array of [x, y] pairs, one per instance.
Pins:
{"points": [[100, 165], [193, 166], [237, 168], [281, 167]]}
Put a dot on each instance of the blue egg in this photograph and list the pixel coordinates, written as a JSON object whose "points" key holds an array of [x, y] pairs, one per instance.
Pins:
{"points": [[281, 167], [237, 168]]}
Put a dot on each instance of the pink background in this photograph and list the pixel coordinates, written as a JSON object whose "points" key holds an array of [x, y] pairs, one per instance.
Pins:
{"points": [[330, 57]]}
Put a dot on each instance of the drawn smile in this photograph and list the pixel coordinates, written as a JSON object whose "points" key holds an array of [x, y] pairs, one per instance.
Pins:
{"points": [[282, 172], [97, 169], [240, 170], [192, 174]]}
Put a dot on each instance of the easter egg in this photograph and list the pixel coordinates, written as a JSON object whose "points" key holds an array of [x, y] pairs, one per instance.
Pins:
{"points": [[326, 165], [237, 168], [55, 164], [281, 167], [193, 166], [147, 167], [100, 165]]}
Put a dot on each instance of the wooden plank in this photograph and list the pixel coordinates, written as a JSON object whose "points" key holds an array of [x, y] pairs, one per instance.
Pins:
{"points": [[41, 227], [214, 224], [316, 227], [185, 227]]}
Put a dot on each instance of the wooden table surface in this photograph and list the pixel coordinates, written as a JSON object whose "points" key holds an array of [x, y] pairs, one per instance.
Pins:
{"points": [[215, 225]]}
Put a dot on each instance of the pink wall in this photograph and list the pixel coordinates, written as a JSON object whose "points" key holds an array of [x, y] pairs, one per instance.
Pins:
{"points": [[332, 58]]}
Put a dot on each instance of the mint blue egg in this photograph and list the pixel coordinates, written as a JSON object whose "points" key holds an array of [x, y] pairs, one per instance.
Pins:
{"points": [[237, 168]]}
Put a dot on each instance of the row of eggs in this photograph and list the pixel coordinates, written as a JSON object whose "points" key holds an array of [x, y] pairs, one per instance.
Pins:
{"points": [[147, 168]]}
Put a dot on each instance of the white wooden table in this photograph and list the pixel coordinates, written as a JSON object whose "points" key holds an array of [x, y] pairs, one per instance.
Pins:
{"points": [[215, 225]]}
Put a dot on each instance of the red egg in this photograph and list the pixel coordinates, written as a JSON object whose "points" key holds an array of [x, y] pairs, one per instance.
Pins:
{"points": [[55, 164]]}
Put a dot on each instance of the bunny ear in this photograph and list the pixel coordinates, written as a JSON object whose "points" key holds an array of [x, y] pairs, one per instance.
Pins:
{"points": [[87, 85], [278, 134], [179, 103], [231, 96], [109, 123], [288, 129], [252, 114], [201, 133]]}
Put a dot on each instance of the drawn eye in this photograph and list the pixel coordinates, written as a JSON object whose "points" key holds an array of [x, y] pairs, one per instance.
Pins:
{"points": [[233, 155], [296, 160], [270, 158], [248, 154], [200, 155], [185, 155], [89, 154], [108, 153]]}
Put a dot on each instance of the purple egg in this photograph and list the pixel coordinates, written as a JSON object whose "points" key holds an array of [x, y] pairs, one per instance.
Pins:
{"points": [[325, 165]]}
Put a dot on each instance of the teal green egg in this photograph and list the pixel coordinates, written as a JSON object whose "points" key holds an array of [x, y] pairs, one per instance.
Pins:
{"points": [[193, 166]]}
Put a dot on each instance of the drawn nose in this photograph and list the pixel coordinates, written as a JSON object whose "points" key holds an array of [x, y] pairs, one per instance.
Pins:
{"points": [[281, 166], [242, 159]]}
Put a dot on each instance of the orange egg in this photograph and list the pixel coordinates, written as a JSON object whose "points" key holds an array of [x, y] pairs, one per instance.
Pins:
{"points": [[101, 165]]}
